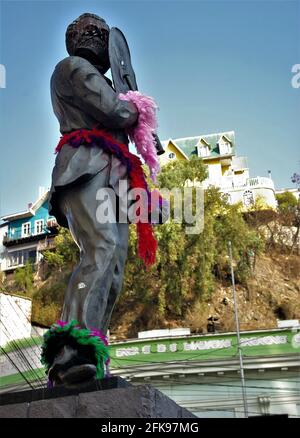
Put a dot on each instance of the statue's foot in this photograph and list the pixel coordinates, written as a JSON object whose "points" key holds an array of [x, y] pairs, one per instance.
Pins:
{"points": [[70, 369], [74, 356], [77, 375]]}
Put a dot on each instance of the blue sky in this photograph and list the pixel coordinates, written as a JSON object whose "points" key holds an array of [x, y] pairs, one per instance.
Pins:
{"points": [[211, 66]]}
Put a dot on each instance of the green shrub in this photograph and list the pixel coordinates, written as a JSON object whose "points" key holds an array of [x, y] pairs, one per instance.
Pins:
{"points": [[23, 278]]}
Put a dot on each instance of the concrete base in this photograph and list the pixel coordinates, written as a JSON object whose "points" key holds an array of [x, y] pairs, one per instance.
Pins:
{"points": [[131, 402], [62, 391]]}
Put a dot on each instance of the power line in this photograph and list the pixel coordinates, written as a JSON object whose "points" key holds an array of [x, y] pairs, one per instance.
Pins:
{"points": [[200, 353], [258, 414], [25, 340], [25, 363], [237, 386], [19, 371], [27, 318], [19, 351]]}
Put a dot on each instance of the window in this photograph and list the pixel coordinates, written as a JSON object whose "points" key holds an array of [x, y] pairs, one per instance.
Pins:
{"points": [[172, 155], [18, 258], [204, 151], [29, 255], [26, 229], [13, 259], [39, 226], [224, 147]]}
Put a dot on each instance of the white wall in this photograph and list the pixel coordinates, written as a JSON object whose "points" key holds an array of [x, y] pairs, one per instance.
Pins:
{"points": [[3, 231], [15, 317], [268, 195], [215, 174], [240, 179]]}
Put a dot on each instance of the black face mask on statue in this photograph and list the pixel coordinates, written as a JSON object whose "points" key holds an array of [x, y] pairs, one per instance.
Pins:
{"points": [[87, 37]]}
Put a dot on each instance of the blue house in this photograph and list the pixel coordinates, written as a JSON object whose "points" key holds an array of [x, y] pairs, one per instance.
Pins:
{"points": [[25, 235]]}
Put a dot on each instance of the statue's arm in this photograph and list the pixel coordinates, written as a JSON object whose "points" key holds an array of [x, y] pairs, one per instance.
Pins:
{"points": [[93, 95]]}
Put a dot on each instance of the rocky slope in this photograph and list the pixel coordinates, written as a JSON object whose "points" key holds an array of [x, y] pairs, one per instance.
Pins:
{"points": [[272, 293]]}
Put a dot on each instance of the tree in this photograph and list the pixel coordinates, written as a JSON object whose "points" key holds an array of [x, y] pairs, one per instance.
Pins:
{"points": [[287, 202], [178, 172], [65, 254], [23, 278], [187, 264]]}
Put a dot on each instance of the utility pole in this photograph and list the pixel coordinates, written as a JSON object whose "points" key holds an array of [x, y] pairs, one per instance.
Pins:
{"points": [[237, 324]]}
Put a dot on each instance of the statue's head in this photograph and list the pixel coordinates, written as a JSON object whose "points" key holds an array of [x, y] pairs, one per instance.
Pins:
{"points": [[87, 36]]}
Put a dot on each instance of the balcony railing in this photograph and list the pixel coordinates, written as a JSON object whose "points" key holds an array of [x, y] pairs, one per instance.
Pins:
{"points": [[261, 181], [48, 243], [235, 183], [29, 233], [52, 223]]}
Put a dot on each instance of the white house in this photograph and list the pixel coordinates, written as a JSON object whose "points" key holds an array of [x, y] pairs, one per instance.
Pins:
{"points": [[226, 170]]}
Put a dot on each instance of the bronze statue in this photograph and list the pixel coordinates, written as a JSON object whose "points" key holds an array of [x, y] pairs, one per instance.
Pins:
{"points": [[90, 110]]}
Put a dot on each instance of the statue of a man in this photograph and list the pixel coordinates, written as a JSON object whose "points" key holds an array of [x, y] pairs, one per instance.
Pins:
{"points": [[83, 98], [90, 113]]}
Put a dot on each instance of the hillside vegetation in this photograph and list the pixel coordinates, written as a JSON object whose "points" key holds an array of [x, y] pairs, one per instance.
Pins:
{"points": [[191, 280]]}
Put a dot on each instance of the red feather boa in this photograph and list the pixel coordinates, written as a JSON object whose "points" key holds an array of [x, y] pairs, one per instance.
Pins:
{"points": [[147, 244]]}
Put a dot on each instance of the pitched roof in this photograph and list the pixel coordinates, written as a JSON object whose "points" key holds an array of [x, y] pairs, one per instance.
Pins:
{"points": [[188, 145], [166, 142], [27, 213]]}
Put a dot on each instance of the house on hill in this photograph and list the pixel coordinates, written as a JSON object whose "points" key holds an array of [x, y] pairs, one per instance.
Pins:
{"points": [[23, 236], [226, 170]]}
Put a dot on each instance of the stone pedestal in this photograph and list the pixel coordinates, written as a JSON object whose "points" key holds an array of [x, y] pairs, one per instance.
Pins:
{"points": [[123, 401]]}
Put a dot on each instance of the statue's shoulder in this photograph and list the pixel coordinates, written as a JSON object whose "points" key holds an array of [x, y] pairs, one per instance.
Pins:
{"points": [[67, 65], [70, 69]]}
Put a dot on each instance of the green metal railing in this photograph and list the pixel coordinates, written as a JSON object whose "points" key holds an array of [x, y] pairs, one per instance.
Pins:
{"points": [[21, 233]]}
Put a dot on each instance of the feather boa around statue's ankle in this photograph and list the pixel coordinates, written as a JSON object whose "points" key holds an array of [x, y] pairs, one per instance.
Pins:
{"points": [[62, 333]]}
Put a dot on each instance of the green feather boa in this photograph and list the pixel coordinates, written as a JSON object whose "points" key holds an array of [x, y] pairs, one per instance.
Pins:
{"points": [[88, 341]]}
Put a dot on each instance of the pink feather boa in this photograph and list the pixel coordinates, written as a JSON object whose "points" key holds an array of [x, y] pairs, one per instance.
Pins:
{"points": [[142, 134]]}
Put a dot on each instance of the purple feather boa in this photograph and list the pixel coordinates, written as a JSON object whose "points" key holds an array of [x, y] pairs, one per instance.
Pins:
{"points": [[142, 134]]}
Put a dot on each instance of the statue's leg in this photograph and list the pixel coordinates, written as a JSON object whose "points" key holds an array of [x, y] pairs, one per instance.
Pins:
{"points": [[88, 290], [118, 272]]}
